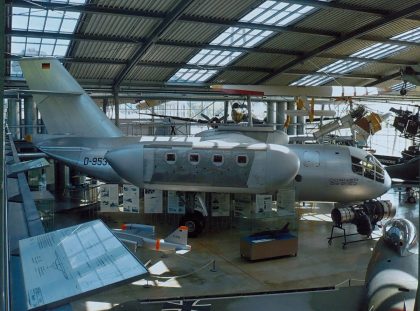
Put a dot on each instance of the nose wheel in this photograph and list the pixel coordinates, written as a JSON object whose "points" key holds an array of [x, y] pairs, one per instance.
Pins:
{"points": [[194, 222]]}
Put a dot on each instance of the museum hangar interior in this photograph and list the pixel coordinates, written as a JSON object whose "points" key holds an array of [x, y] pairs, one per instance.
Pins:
{"points": [[210, 155]]}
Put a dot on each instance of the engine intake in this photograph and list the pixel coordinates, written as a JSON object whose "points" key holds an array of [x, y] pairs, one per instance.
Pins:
{"points": [[364, 216]]}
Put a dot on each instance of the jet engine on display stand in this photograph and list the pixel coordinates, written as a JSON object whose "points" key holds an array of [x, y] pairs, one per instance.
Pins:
{"points": [[365, 217]]}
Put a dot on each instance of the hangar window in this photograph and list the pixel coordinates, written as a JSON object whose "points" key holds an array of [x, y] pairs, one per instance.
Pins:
{"points": [[242, 160], [218, 159], [170, 158], [194, 158]]}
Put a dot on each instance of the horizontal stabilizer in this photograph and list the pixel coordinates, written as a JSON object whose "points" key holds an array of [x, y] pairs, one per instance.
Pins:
{"points": [[179, 236], [140, 229]]}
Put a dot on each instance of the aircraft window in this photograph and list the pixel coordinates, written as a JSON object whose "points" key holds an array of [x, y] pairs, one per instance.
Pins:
{"points": [[369, 168], [218, 159], [242, 160], [194, 158], [170, 158]]}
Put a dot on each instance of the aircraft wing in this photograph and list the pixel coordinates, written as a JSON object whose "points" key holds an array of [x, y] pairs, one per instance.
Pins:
{"points": [[129, 238], [312, 91]]}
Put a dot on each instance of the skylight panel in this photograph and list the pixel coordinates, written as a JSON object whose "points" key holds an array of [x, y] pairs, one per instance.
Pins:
{"points": [[192, 75], [277, 13], [410, 36], [341, 66], [312, 80], [378, 50], [242, 37], [24, 46], [214, 57], [398, 86], [44, 20]]}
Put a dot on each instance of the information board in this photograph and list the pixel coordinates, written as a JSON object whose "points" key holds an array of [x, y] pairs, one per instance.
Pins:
{"points": [[60, 266]]}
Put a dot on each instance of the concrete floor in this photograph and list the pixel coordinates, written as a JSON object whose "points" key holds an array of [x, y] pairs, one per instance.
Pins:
{"points": [[316, 265]]}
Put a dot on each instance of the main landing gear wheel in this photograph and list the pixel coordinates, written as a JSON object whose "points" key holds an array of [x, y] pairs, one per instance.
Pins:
{"points": [[194, 222]]}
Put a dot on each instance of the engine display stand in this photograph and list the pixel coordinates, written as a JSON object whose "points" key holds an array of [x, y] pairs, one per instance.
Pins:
{"points": [[345, 235]]}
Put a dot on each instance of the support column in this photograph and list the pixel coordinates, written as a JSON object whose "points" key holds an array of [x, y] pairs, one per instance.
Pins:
{"points": [[300, 125], [104, 104], [117, 108], [13, 116], [270, 112], [291, 130], [226, 112], [249, 104], [29, 115], [280, 119]]}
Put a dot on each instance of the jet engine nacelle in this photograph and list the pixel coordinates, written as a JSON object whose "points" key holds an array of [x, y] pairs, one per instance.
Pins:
{"points": [[364, 216]]}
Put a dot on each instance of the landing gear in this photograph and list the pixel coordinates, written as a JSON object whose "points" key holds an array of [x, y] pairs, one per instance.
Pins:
{"points": [[195, 223]]}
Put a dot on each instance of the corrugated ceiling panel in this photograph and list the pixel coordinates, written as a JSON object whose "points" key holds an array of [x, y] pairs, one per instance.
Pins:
{"points": [[169, 54], [395, 28], [264, 60], [283, 79], [412, 54], [192, 32], [147, 5], [144, 73], [349, 81], [314, 64], [383, 4], [238, 77], [296, 41], [336, 20], [376, 69], [119, 26], [228, 10], [104, 50], [349, 47], [94, 71]]}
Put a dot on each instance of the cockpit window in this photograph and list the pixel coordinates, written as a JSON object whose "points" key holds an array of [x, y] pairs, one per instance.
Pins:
{"points": [[368, 167]]}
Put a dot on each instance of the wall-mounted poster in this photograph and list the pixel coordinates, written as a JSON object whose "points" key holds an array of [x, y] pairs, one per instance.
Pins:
{"points": [[220, 204], [131, 202], [153, 201], [263, 203], [243, 205], [176, 202], [108, 196]]}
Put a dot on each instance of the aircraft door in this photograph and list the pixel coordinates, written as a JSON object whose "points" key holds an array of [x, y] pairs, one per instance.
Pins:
{"points": [[311, 159]]}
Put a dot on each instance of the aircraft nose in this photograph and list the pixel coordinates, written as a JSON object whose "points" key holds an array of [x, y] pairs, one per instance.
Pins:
{"points": [[127, 162], [387, 181]]}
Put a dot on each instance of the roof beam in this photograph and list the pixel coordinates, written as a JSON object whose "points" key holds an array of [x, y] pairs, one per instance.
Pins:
{"points": [[143, 48], [345, 38], [94, 9], [99, 38], [385, 78]]}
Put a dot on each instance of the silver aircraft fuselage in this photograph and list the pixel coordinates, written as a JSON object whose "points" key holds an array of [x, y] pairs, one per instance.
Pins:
{"points": [[318, 172]]}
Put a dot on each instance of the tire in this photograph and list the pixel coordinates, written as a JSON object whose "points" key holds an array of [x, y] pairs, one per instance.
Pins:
{"points": [[411, 200], [194, 222]]}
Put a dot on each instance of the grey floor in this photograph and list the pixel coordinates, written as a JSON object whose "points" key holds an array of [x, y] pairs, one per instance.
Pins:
{"points": [[214, 266]]}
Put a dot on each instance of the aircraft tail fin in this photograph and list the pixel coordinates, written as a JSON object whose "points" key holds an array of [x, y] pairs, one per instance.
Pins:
{"points": [[65, 107], [179, 236]]}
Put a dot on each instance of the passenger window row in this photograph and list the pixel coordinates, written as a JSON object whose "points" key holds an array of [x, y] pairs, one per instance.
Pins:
{"points": [[217, 159]]}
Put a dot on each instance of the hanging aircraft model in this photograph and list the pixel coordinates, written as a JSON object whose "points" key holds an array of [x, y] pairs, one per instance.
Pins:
{"points": [[409, 75], [217, 160]]}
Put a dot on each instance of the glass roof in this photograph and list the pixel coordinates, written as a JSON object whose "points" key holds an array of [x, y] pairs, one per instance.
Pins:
{"points": [[42, 20], [312, 80], [268, 13], [410, 36], [378, 51], [375, 51], [277, 13], [192, 75], [214, 57], [398, 86]]}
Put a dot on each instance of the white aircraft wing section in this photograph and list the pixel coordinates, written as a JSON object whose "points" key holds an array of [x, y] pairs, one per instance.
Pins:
{"points": [[312, 91], [65, 264]]}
